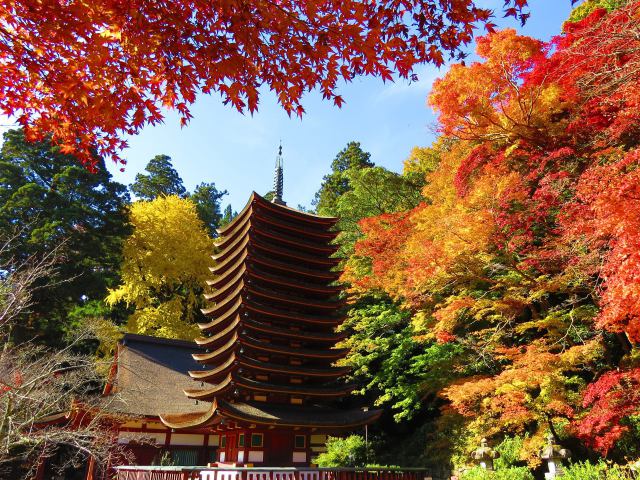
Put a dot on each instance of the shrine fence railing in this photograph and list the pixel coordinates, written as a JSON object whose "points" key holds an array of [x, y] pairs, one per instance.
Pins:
{"points": [[257, 473]]}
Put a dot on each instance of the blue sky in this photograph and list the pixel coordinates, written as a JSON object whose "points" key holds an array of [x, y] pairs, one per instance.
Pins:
{"points": [[237, 151]]}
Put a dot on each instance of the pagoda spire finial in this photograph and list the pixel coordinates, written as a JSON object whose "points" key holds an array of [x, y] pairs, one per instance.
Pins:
{"points": [[278, 181]]}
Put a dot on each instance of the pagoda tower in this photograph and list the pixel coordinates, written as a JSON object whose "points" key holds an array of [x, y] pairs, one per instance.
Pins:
{"points": [[268, 365]]}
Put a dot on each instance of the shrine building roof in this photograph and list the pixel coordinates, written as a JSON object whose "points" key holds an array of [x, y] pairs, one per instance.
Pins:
{"points": [[149, 377]]}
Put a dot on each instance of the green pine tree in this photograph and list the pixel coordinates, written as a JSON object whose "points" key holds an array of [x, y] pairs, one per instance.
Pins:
{"points": [[162, 179], [336, 183], [228, 216], [207, 199]]}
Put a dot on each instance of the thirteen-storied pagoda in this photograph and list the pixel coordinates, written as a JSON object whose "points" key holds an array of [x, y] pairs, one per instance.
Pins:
{"points": [[268, 370]]}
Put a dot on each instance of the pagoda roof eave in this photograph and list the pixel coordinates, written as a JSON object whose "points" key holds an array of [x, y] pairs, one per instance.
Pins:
{"points": [[292, 212], [235, 273], [295, 389], [270, 312], [269, 247], [304, 417], [294, 299], [223, 291], [223, 368], [251, 363], [330, 354], [241, 252], [295, 242], [299, 317], [219, 336], [242, 229], [223, 278], [191, 420], [290, 333], [222, 318], [233, 224], [233, 379], [231, 243], [292, 227], [212, 341], [278, 209], [299, 284], [330, 276], [273, 415], [210, 393], [226, 348], [226, 304]]}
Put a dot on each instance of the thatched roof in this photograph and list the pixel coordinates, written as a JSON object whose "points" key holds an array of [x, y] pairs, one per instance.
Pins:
{"points": [[150, 376]]}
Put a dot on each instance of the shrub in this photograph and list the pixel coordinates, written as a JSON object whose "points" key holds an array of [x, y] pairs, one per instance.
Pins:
{"points": [[510, 473], [598, 471], [509, 450], [344, 452]]}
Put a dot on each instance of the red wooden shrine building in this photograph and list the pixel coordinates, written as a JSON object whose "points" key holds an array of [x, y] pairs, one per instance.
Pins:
{"points": [[147, 376], [268, 373]]}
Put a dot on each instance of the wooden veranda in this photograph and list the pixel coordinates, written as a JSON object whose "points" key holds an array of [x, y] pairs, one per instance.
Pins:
{"points": [[251, 473]]}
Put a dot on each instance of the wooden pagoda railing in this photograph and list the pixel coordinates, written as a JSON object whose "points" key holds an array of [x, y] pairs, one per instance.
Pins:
{"points": [[257, 473]]}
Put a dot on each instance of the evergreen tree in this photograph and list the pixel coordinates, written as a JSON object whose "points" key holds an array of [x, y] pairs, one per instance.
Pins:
{"points": [[228, 216], [207, 200], [162, 179], [372, 191], [269, 196], [336, 183], [49, 199]]}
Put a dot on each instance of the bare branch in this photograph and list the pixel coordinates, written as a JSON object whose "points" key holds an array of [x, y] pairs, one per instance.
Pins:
{"points": [[20, 278], [50, 401]]}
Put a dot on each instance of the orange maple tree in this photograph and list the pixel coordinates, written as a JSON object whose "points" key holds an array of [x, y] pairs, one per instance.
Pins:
{"points": [[524, 256], [89, 72]]}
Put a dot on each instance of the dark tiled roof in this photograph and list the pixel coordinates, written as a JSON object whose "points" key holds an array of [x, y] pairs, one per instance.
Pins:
{"points": [[151, 375], [291, 415], [331, 337], [275, 414], [325, 353], [324, 390], [292, 369]]}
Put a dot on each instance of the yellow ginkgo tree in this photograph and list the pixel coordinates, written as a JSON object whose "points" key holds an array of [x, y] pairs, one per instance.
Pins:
{"points": [[164, 268]]}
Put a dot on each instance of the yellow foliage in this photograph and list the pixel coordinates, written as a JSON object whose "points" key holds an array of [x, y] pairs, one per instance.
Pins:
{"points": [[527, 394], [421, 322], [164, 267], [424, 160], [582, 354], [164, 320], [106, 332], [451, 230], [108, 335]]}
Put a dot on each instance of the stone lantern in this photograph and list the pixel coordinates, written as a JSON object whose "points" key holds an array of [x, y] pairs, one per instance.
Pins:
{"points": [[554, 454], [484, 455]]}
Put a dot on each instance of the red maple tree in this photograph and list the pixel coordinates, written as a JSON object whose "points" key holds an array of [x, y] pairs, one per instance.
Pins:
{"points": [[89, 72], [614, 396]]}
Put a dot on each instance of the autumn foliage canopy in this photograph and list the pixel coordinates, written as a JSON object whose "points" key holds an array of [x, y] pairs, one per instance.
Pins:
{"points": [[91, 72], [525, 252], [501, 290]]}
